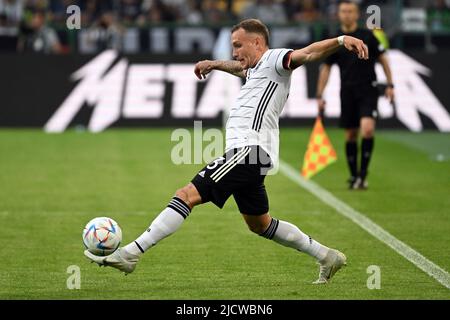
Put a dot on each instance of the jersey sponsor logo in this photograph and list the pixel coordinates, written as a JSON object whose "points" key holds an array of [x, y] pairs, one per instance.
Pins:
{"points": [[202, 173], [116, 89]]}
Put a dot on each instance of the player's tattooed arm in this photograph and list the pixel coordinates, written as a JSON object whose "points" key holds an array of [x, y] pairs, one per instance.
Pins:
{"points": [[322, 49], [204, 67]]}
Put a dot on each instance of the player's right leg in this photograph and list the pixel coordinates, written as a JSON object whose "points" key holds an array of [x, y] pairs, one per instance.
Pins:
{"points": [[288, 235], [165, 224]]}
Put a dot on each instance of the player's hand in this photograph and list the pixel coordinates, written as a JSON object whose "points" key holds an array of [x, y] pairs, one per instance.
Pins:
{"points": [[202, 68], [321, 106], [357, 46], [389, 93]]}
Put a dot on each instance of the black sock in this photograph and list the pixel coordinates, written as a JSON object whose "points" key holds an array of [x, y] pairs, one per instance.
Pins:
{"points": [[366, 153], [351, 151]]}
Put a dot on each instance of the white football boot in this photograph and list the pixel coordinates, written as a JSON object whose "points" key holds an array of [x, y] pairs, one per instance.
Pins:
{"points": [[119, 259], [330, 265]]}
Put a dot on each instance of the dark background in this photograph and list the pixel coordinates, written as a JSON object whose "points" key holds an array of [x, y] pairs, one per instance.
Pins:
{"points": [[33, 86]]}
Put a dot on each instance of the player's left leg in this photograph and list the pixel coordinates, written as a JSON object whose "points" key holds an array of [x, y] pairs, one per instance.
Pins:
{"points": [[253, 204], [289, 235], [285, 234], [367, 145]]}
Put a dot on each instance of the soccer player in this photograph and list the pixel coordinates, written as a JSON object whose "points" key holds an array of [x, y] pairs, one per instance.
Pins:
{"points": [[359, 93], [251, 149]]}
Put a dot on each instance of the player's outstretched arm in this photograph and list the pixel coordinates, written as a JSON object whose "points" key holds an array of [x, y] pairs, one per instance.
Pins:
{"points": [[202, 68], [322, 49]]}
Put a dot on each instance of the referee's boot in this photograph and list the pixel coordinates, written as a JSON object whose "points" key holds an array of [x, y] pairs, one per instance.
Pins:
{"points": [[361, 184], [119, 259], [333, 261], [352, 182]]}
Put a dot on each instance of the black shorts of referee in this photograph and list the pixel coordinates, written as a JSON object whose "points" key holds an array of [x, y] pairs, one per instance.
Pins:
{"points": [[358, 101]]}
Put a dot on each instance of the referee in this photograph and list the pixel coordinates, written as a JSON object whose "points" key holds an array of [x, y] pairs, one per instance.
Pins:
{"points": [[359, 93]]}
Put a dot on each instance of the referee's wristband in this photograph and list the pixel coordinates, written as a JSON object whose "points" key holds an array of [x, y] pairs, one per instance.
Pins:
{"points": [[390, 85], [340, 40]]}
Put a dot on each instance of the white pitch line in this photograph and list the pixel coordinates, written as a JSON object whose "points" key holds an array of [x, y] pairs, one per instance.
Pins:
{"points": [[371, 227]]}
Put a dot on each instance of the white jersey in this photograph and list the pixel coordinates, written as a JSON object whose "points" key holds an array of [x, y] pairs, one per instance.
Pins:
{"points": [[253, 119]]}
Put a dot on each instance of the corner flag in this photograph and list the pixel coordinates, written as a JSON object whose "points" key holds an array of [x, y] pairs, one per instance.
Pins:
{"points": [[320, 152]]}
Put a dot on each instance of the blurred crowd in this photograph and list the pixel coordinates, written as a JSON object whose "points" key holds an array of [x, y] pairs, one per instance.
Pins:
{"points": [[37, 19], [142, 12]]}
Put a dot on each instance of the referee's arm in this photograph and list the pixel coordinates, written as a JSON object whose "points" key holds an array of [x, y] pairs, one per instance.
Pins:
{"points": [[322, 49], [389, 92], [324, 75]]}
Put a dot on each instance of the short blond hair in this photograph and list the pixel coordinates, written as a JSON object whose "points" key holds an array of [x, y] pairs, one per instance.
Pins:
{"points": [[254, 26]]}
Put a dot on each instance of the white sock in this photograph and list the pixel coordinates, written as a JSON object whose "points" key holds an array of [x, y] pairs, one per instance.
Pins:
{"points": [[166, 223], [288, 235]]}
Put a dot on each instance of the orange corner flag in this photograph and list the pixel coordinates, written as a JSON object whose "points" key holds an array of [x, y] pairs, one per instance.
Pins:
{"points": [[320, 152]]}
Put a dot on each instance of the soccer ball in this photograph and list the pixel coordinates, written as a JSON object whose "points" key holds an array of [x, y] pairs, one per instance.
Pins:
{"points": [[102, 236]]}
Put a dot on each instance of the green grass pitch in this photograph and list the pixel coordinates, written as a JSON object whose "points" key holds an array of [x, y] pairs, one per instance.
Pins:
{"points": [[51, 185]]}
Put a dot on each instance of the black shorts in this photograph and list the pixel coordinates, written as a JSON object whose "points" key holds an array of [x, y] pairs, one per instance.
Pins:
{"points": [[239, 172], [357, 102]]}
